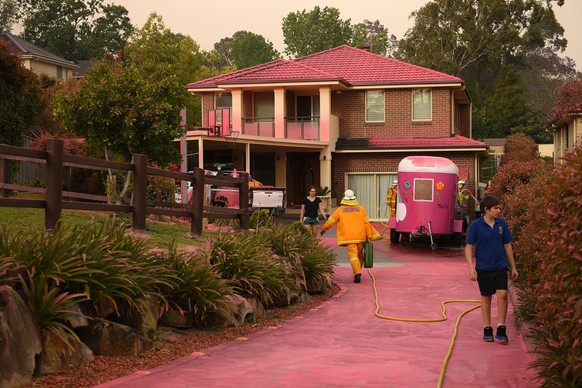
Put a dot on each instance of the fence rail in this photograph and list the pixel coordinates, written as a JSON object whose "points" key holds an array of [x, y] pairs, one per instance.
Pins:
{"points": [[53, 202]]}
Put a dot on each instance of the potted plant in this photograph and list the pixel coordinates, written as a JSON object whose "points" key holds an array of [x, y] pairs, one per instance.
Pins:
{"points": [[324, 193]]}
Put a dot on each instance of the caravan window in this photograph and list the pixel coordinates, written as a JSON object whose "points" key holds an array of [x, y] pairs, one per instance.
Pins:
{"points": [[423, 189]]}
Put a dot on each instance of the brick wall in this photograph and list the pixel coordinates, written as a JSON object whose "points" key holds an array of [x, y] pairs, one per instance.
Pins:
{"points": [[350, 107], [388, 163], [207, 104]]}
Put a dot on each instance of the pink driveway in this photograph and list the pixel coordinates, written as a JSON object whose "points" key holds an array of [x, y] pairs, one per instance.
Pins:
{"points": [[343, 344]]}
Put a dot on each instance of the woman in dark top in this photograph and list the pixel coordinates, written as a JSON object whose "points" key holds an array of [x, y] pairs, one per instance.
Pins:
{"points": [[309, 208]]}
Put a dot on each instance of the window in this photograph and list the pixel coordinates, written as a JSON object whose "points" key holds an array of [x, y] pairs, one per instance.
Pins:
{"points": [[223, 100], [375, 106], [423, 189], [264, 105], [422, 104]]}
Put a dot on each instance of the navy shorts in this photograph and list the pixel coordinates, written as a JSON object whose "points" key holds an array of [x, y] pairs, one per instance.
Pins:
{"points": [[491, 281], [310, 221]]}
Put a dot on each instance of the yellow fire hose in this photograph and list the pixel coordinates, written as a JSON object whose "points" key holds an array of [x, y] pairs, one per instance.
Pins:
{"points": [[442, 318]]}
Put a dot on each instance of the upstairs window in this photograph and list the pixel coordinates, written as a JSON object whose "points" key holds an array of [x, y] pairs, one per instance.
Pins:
{"points": [[422, 104], [375, 106], [223, 100]]}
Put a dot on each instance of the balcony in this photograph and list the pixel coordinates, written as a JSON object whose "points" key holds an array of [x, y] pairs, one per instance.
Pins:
{"points": [[259, 126], [302, 128], [296, 128]]}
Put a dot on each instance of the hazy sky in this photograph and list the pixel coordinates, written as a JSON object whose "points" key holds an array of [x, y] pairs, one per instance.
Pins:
{"points": [[207, 22]]}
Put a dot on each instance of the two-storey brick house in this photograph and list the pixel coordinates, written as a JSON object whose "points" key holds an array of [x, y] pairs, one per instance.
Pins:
{"points": [[342, 118]]}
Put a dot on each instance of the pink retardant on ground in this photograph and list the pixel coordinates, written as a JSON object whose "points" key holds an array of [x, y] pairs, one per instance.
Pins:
{"points": [[342, 344]]}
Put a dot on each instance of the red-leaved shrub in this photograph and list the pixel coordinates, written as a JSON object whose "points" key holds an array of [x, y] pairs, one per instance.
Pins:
{"points": [[557, 290]]}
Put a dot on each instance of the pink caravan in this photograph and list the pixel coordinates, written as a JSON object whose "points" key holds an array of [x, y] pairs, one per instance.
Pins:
{"points": [[427, 200]]}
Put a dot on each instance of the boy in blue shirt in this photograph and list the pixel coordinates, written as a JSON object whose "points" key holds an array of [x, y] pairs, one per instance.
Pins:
{"points": [[489, 241]]}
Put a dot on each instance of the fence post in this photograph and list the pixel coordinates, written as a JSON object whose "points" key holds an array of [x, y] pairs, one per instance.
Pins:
{"points": [[138, 197], [4, 176], [54, 184], [243, 200], [197, 202]]}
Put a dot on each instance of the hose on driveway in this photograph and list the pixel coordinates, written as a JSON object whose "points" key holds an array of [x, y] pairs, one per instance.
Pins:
{"points": [[442, 318]]}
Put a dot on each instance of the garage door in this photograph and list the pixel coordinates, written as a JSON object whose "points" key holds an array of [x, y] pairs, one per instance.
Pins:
{"points": [[371, 190]]}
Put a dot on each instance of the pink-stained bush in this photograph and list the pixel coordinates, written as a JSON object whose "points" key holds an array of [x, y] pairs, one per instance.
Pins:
{"points": [[543, 207], [557, 290], [519, 147]]}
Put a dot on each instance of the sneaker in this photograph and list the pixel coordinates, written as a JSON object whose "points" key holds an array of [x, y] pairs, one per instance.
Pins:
{"points": [[358, 278], [501, 336], [488, 334]]}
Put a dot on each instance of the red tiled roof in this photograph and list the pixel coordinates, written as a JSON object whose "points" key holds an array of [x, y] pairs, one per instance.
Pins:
{"points": [[408, 142], [360, 67], [350, 65], [287, 71]]}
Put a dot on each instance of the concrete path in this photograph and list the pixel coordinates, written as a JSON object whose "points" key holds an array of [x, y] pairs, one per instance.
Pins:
{"points": [[343, 344]]}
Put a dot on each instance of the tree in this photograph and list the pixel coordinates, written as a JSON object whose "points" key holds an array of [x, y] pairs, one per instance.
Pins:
{"points": [[568, 98], [76, 29], [130, 102], [376, 35], [468, 38], [507, 111], [8, 14], [20, 105], [317, 30], [541, 73], [475, 40], [245, 49]]}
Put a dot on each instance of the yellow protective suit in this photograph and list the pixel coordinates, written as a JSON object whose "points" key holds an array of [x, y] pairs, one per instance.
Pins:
{"points": [[353, 229], [391, 199]]}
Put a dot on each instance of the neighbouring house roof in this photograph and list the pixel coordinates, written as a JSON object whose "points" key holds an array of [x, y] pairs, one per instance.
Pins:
{"points": [[495, 142], [84, 67], [27, 50], [563, 121], [344, 65], [409, 143]]}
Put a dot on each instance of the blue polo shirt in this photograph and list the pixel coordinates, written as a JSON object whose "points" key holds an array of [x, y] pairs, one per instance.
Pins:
{"points": [[488, 241]]}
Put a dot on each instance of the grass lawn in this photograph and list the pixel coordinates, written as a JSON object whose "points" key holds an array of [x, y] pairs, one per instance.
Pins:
{"points": [[159, 233]]}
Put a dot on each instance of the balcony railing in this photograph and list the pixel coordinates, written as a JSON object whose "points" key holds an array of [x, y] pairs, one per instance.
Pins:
{"points": [[296, 128], [302, 128], [259, 126]]}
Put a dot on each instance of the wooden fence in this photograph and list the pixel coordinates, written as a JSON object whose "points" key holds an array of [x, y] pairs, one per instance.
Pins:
{"points": [[54, 196]]}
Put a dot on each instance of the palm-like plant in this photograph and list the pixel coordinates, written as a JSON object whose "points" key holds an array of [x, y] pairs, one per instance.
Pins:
{"points": [[198, 289], [51, 307]]}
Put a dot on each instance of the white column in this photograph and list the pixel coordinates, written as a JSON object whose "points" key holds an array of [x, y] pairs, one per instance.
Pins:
{"points": [[279, 113], [236, 110], [325, 167], [324, 113], [248, 157], [200, 153]]}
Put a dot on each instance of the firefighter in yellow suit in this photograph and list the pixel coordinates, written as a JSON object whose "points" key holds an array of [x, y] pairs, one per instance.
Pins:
{"points": [[391, 198], [353, 229]]}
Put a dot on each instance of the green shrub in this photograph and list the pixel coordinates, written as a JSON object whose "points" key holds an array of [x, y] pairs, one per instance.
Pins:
{"points": [[160, 189], [101, 261], [199, 288], [298, 227], [51, 308], [261, 219], [317, 259], [247, 260]]}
